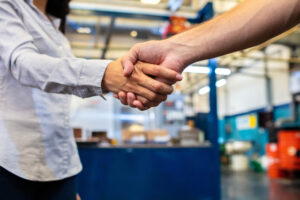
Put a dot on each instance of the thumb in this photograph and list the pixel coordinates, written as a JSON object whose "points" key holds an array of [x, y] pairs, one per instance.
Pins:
{"points": [[128, 67], [129, 60]]}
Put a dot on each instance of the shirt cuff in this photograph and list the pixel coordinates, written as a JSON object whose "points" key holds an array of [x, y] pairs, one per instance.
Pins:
{"points": [[90, 79]]}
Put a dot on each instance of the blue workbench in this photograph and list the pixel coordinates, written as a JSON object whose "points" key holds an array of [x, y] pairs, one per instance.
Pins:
{"points": [[153, 173]]}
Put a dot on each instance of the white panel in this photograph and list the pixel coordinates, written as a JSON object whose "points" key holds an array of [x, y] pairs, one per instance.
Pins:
{"points": [[245, 93], [279, 72]]}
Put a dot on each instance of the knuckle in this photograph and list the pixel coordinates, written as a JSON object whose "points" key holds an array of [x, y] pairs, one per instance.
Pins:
{"points": [[156, 70], [130, 87], [152, 97], [134, 77], [170, 90], [145, 102], [157, 87]]}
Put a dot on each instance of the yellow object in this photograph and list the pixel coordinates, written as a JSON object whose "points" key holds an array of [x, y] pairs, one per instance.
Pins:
{"points": [[253, 121], [191, 124], [114, 142]]}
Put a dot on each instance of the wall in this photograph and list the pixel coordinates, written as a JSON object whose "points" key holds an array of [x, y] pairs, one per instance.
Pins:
{"points": [[246, 94], [246, 91]]}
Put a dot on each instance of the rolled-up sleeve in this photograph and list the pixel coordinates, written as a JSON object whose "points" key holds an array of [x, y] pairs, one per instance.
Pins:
{"points": [[66, 75]]}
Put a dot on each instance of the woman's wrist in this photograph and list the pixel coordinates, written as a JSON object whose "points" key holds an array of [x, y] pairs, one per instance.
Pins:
{"points": [[113, 77]]}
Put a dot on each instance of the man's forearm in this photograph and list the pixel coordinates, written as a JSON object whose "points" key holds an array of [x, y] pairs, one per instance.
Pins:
{"points": [[250, 23]]}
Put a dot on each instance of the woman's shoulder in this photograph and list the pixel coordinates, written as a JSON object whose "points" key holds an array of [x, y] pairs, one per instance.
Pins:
{"points": [[12, 3], [15, 5]]}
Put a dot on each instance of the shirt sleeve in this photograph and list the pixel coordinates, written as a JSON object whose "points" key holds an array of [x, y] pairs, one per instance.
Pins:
{"points": [[67, 75]]}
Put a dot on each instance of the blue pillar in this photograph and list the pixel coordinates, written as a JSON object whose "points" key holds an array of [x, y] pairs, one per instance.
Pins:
{"points": [[213, 121]]}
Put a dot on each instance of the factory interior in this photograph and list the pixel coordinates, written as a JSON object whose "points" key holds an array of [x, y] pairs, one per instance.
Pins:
{"points": [[230, 130]]}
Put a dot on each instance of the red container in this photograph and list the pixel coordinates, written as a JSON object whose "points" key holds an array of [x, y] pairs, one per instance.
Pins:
{"points": [[289, 149], [273, 161]]}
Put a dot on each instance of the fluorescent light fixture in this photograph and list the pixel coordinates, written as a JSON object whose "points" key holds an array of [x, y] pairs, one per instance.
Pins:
{"points": [[198, 70], [221, 82], [84, 30], [206, 89], [223, 71], [150, 1], [206, 70]]}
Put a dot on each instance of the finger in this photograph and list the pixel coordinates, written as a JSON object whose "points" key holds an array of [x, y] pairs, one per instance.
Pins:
{"points": [[123, 98], [153, 85], [116, 96], [130, 59], [146, 103], [140, 106], [151, 96], [161, 72], [130, 99], [128, 67]]}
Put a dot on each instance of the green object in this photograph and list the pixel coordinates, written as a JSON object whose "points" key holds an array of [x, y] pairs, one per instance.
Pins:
{"points": [[256, 166]]}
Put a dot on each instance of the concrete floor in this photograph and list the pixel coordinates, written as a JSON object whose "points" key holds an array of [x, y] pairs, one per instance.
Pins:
{"points": [[257, 186]]}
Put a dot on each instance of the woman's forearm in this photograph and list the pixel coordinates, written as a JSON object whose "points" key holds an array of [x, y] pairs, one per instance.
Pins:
{"points": [[250, 23]]}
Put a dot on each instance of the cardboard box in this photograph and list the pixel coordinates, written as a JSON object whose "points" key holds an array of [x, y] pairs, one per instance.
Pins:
{"points": [[136, 137], [157, 136]]}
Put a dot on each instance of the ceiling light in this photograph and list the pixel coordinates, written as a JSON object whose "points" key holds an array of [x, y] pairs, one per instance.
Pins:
{"points": [[84, 30], [195, 69], [223, 71], [206, 89], [221, 82], [133, 34], [206, 70], [150, 1]]}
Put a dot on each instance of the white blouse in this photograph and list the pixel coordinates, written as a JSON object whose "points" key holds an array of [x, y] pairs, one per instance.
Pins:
{"points": [[37, 72]]}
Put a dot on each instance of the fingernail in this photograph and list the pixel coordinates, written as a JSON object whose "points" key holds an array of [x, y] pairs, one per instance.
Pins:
{"points": [[179, 77]]}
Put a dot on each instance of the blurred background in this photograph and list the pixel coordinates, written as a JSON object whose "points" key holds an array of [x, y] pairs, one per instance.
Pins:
{"points": [[233, 133]]}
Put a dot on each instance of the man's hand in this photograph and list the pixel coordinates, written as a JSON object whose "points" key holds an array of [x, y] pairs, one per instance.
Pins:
{"points": [[150, 92], [164, 53], [161, 52]]}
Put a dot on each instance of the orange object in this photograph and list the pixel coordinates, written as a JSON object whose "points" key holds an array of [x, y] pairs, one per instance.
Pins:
{"points": [[274, 170], [176, 25], [289, 149]]}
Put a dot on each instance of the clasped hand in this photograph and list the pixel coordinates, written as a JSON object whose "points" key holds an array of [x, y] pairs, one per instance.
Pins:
{"points": [[165, 54], [148, 91]]}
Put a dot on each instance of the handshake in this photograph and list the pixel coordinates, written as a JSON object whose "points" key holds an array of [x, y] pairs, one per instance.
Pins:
{"points": [[144, 76]]}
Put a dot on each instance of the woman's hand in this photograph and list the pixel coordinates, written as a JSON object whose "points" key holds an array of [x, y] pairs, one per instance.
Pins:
{"points": [[148, 90]]}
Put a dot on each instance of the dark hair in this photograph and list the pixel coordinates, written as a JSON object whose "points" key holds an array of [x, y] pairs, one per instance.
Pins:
{"points": [[59, 9]]}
